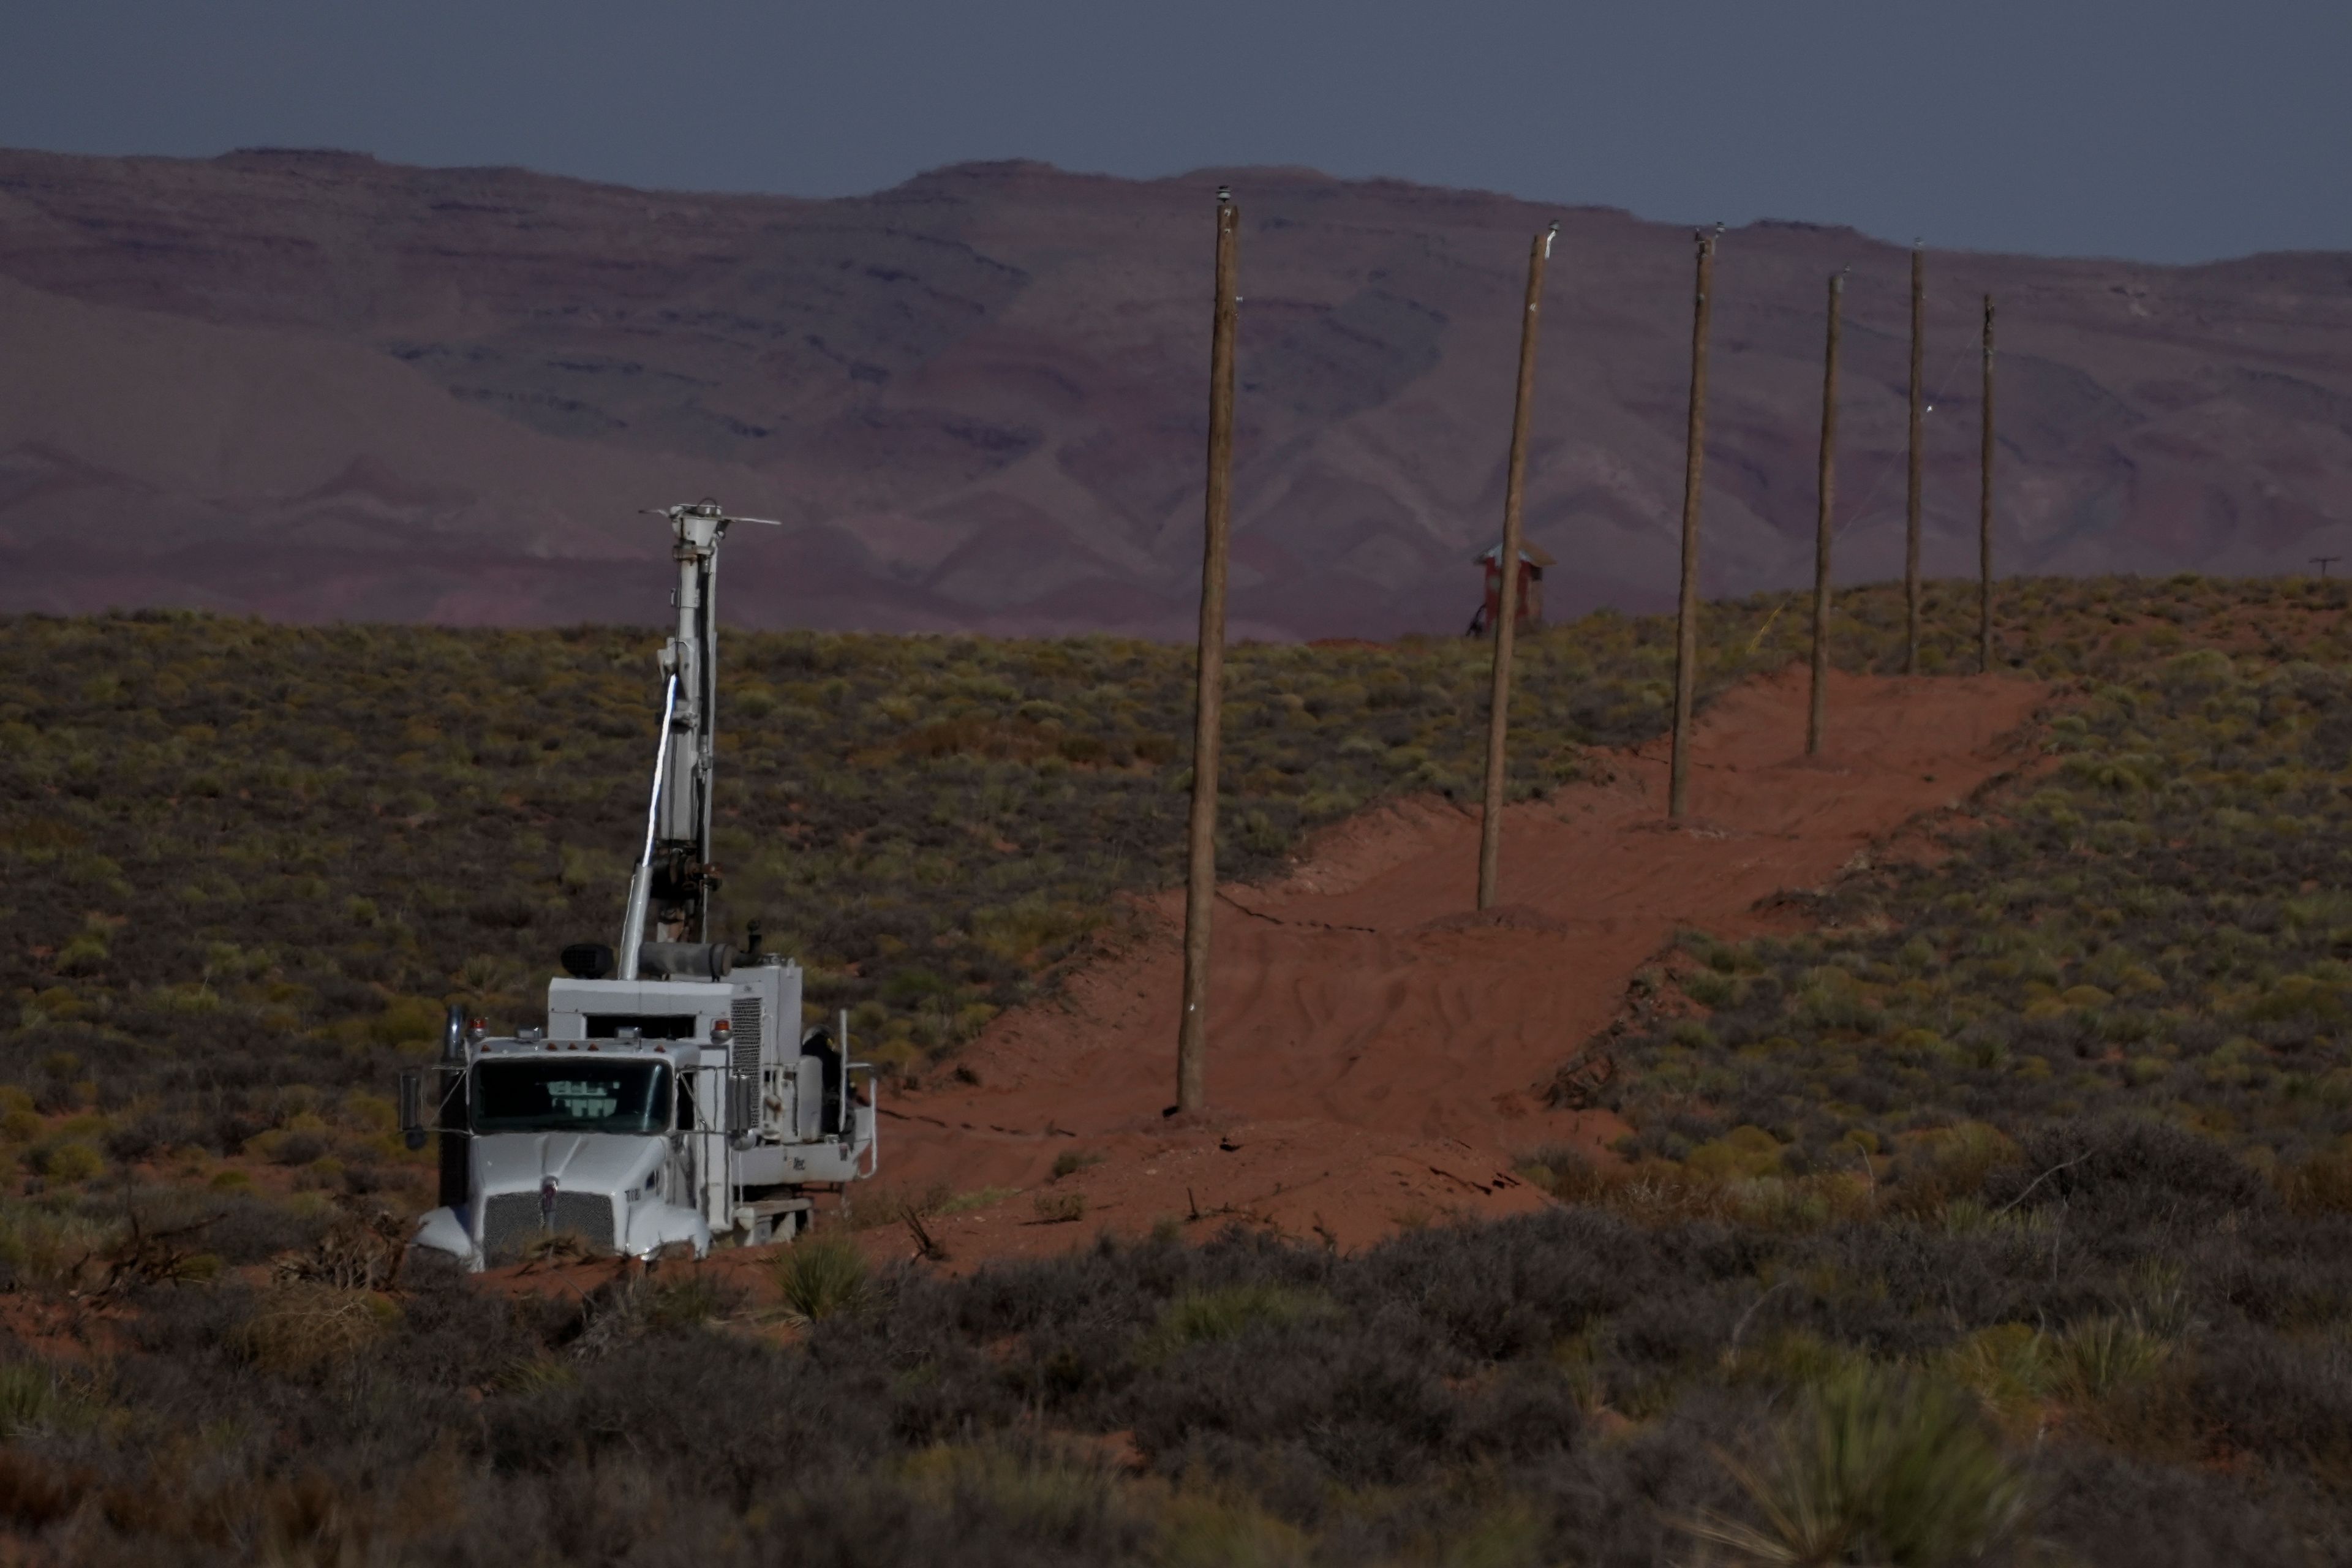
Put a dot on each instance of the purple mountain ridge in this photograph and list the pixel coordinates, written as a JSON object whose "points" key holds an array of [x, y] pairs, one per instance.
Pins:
{"points": [[313, 385]]}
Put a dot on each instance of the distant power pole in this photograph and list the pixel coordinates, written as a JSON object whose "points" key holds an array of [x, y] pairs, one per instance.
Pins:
{"points": [[1200, 863], [1490, 830], [1828, 486], [1694, 474], [2323, 562], [1911, 500], [1984, 510]]}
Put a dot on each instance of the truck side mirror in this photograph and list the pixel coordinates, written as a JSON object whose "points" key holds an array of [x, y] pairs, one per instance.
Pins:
{"points": [[411, 1107]]}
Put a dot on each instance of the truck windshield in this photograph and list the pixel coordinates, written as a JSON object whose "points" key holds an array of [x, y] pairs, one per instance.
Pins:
{"points": [[571, 1096]]}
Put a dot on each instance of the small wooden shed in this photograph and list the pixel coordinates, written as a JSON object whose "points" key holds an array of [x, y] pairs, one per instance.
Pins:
{"points": [[1533, 559]]}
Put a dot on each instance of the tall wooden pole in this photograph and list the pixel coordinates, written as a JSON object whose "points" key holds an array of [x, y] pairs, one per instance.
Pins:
{"points": [[1201, 864], [1984, 510], [1911, 500], [1694, 472], [1507, 606], [1828, 486]]}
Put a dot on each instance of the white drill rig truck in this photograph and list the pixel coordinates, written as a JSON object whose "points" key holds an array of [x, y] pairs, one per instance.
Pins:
{"points": [[671, 1101]]}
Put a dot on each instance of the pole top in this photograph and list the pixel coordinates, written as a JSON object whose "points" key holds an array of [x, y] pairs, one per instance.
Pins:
{"points": [[1225, 196]]}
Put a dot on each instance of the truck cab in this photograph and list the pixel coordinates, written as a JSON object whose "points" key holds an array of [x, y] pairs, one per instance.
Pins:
{"points": [[649, 1116]]}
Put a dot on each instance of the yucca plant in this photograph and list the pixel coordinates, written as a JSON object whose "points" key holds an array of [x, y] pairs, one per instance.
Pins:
{"points": [[1881, 1466]]}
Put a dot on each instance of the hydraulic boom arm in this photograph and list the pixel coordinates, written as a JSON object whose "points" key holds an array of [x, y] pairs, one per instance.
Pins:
{"points": [[669, 896]]}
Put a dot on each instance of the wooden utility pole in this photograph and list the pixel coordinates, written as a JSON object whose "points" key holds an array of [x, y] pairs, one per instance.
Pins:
{"points": [[1694, 473], [1201, 863], [1507, 605], [1984, 510], [1911, 500], [1828, 486]]}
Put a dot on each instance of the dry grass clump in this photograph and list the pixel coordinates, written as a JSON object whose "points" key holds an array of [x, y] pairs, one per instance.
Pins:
{"points": [[1059, 1208], [299, 1327], [822, 1276], [39, 1399]]}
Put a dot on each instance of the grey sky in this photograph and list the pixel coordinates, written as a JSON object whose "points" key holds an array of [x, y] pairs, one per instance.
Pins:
{"points": [[2160, 130]]}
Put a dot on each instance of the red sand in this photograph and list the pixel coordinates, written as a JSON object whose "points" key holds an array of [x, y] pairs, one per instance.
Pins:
{"points": [[1378, 1051]]}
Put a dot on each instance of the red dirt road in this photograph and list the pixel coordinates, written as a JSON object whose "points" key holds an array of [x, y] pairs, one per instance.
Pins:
{"points": [[1378, 1051]]}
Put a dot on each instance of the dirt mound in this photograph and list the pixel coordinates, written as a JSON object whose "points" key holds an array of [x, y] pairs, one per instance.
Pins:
{"points": [[1378, 1048]]}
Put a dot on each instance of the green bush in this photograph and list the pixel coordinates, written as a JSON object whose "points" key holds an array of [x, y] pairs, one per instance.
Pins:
{"points": [[65, 1160], [1212, 1317]]}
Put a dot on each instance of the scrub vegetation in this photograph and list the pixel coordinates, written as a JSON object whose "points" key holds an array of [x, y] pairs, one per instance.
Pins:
{"points": [[2003, 1213], [247, 865]]}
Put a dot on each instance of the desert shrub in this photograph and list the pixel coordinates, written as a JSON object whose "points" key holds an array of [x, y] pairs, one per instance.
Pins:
{"points": [[1446, 1386], [1933, 1146], [1212, 1317], [699, 1296], [2276, 1394], [45, 1243], [2129, 1511]]}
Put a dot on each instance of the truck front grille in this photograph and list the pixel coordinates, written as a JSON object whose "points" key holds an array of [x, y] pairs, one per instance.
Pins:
{"points": [[511, 1222]]}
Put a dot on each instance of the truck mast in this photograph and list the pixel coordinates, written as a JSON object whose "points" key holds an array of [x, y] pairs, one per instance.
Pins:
{"points": [[670, 893], [671, 1101]]}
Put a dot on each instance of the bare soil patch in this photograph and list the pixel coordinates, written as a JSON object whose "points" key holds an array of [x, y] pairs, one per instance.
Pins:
{"points": [[1378, 1048]]}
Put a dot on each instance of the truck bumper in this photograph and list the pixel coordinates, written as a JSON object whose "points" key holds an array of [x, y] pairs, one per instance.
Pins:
{"points": [[651, 1232], [443, 1231]]}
